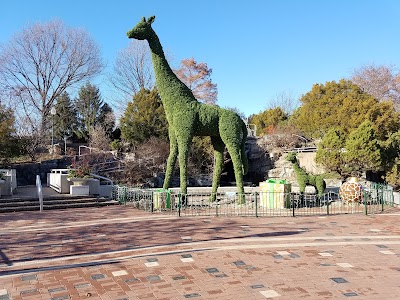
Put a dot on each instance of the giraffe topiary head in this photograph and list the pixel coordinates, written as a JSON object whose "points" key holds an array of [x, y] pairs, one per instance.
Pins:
{"points": [[291, 157], [142, 30]]}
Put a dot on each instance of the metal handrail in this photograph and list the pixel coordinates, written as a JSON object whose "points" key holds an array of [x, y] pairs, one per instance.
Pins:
{"points": [[103, 178], [39, 191]]}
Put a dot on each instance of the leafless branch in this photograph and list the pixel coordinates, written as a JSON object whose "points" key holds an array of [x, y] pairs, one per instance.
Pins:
{"points": [[41, 61], [132, 71], [382, 82]]}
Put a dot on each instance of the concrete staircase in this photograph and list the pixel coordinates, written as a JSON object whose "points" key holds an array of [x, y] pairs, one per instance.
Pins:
{"points": [[61, 202]]}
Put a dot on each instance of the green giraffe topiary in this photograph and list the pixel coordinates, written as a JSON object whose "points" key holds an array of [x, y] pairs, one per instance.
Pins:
{"points": [[304, 179], [187, 118]]}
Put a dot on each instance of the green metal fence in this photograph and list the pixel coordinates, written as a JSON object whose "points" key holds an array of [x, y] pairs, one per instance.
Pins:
{"points": [[376, 198]]}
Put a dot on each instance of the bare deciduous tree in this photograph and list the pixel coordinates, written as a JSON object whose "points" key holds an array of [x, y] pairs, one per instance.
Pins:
{"points": [[30, 140], [382, 82], [197, 77], [98, 138], [286, 101], [132, 71], [40, 62], [150, 158]]}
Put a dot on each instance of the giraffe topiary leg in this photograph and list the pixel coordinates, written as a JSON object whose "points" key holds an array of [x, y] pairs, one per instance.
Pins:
{"points": [[184, 142], [219, 148], [302, 188], [234, 151], [320, 185], [230, 128], [173, 154]]}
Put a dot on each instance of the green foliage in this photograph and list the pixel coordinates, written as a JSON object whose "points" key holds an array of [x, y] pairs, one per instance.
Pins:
{"points": [[88, 107], [115, 145], [65, 119], [385, 119], [143, 118], [333, 104], [303, 178], [6, 123], [391, 148], [106, 119], [8, 142], [330, 149], [187, 117], [393, 174], [391, 159], [292, 157], [268, 120], [363, 151]]}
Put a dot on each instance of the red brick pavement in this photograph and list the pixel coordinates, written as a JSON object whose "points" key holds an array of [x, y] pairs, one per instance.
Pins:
{"points": [[122, 253]]}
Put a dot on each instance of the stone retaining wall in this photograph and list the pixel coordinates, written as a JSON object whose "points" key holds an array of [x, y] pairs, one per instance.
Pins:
{"points": [[26, 173]]}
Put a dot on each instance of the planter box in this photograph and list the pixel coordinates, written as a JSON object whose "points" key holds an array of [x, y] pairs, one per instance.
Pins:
{"points": [[81, 190], [6, 187], [10, 185], [92, 183]]}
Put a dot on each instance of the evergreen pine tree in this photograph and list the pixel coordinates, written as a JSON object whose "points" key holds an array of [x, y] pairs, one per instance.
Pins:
{"points": [[330, 150], [88, 106], [144, 117], [65, 119], [363, 151], [8, 141], [106, 119]]}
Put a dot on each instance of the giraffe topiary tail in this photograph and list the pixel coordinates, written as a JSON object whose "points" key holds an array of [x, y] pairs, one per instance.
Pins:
{"points": [[242, 148]]}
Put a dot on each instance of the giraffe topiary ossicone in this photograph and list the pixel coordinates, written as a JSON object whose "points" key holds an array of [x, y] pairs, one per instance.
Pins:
{"points": [[187, 118]]}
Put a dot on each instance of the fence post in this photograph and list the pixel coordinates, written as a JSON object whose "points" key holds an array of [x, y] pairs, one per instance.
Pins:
{"points": [[179, 204], [327, 207], [382, 197], [125, 194], [365, 203], [292, 201], [391, 198], [121, 194], [152, 202], [255, 203], [216, 208]]}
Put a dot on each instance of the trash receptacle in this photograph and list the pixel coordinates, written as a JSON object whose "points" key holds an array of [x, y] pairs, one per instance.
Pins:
{"points": [[275, 193], [162, 199]]}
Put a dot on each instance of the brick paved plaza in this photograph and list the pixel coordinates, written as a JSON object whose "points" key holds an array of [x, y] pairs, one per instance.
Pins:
{"points": [[122, 253]]}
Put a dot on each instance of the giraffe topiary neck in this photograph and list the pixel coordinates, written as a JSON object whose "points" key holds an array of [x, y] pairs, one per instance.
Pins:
{"points": [[296, 167], [161, 66], [167, 82]]}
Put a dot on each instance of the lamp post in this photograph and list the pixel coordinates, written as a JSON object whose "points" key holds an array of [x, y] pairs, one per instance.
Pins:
{"points": [[53, 113]]}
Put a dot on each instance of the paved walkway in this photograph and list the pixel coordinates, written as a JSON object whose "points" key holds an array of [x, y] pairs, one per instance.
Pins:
{"points": [[122, 253]]}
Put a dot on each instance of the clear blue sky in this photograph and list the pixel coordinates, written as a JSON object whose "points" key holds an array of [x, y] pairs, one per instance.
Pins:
{"points": [[256, 48]]}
